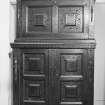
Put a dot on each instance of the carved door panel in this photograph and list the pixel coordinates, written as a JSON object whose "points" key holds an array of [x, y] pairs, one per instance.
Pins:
{"points": [[36, 17], [34, 77], [71, 83], [73, 18]]}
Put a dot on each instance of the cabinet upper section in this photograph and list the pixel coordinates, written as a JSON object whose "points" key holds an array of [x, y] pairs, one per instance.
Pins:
{"points": [[55, 19]]}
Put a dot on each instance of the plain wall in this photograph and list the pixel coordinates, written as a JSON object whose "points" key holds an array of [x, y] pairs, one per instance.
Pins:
{"points": [[4, 50], [7, 31], [99, 93]]}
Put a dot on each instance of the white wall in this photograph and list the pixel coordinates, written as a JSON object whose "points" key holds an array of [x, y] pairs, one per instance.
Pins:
{"points": [[100, 54], [6, 30], [4, 49]]}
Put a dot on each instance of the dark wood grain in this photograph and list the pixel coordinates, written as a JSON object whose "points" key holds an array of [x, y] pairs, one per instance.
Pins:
{"points": [[34, 82], [53, 56], [54, 24]]}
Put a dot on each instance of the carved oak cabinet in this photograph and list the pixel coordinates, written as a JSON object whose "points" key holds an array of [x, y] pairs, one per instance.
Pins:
{"points": [[53, 53]]}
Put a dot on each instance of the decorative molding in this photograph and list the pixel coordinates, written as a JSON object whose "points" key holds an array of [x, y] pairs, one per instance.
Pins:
{"points": [[60, 44]]}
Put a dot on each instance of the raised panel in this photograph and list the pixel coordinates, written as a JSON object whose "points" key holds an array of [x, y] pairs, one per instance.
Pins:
{"points": [[71, 19], [33, 63], [71, 63], [71, 91], [34, 89], [36, 18], [39, 19]]}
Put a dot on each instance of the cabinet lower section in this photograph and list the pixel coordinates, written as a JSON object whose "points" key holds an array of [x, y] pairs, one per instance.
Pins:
{"points": [[53, 76]]}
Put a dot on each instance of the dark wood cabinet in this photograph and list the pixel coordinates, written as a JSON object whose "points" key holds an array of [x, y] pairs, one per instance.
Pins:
{"points": [[53, 53], [55, 19], [53, 76]]}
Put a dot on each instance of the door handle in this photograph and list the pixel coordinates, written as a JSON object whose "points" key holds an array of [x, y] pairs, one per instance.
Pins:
{"points": [[15, 69]]}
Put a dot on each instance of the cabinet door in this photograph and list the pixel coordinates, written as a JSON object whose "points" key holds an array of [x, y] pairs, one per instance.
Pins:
{"points": [[72, 81], [73, 18], [34, 77], [36, 18]]}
